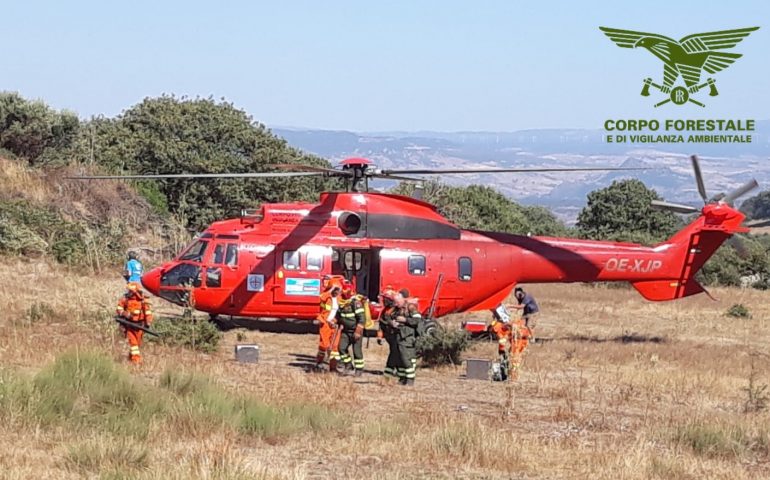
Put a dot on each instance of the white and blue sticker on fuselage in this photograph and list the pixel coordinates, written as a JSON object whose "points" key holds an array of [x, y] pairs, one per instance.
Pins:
{"points": [[303, 286]]}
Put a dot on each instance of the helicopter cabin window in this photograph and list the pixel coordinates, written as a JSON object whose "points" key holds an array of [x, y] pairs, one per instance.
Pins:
{"points": [[315, 261], [464, 269], [231, 258], [353, 261], [291, 260], [219, 254], [417, 265], [195, 252]]}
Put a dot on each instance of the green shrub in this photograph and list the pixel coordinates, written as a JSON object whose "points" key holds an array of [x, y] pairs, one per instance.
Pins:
{"points": [[266, 421], [183, 383], [443, 347], [17, 397], [738, 310], [202, 403], [32, 230], [151, 192], [722, 441], [195, 334], [89, 390], [88, 394]]}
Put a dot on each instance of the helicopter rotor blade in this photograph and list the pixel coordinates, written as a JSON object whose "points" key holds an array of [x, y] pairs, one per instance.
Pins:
{"points": [[740, 191], [395, 177], [295, 167], [196, 175], [699, 178], [442, 171], [674, 207]]}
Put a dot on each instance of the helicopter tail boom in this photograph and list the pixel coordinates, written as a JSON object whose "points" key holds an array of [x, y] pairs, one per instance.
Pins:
{"points": [[665, 271]]}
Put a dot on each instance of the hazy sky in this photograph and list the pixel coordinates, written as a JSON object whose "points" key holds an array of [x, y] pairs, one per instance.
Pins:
{"points": [[389, 65]]}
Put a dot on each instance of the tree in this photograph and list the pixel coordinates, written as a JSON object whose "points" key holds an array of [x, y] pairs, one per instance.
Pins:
{"points": [[34, 131], [757, 207], [173, 135], [478, 207], [623, 212]]}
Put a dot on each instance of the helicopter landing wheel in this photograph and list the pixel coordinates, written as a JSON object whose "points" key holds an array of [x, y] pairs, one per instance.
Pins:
{"points": [[432, 327]]}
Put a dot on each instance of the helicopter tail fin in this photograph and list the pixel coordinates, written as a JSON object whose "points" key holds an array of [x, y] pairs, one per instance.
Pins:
{"points": [[689, 249]]}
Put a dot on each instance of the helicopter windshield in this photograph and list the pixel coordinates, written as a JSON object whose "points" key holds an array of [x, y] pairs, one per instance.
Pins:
{"points": [[195, 252]]}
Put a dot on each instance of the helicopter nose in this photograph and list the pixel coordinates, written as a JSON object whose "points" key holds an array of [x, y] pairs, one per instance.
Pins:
{"points": [[151, 281]]}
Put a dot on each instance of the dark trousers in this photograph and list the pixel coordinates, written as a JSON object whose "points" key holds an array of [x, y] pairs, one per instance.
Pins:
{"points": [[346, 341], [394, 356], [408, 360]]}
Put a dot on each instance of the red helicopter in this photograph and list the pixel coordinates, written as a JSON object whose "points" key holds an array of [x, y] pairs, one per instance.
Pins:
{"points": [[270, 262]]}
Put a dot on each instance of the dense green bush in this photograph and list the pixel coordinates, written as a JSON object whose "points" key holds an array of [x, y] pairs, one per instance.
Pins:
{"points": [[34, 131], [757, 207], [195, 334], [443, 347], [623, 212], [181, 135]]}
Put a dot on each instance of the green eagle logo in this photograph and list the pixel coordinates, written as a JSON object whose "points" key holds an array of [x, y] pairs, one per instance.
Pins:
{"points": [[687, 58]]}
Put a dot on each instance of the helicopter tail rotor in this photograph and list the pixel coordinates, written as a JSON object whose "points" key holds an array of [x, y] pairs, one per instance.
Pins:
{"points": [[728, 198]]}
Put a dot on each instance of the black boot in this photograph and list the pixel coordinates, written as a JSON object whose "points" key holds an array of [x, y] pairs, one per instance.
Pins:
{"points": [[317, 368], [410, 382], [402, 380], [359, 372]]}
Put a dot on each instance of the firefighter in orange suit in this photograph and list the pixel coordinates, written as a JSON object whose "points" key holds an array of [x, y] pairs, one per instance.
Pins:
{"points": [[134, 307], [502, 330], [328, 337]]}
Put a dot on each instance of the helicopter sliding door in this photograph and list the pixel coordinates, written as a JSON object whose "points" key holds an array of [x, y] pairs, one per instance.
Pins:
{"points": [[360, 266]]}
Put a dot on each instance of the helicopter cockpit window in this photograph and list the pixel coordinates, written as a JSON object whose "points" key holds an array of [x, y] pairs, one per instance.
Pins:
{"points": [[291, 260], [195, 252], [315, 261], [417, 265], [231, 258], [464, 269], [181, 275]]}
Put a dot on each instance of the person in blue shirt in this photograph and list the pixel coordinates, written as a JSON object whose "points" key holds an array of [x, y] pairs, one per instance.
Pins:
{"points": [[529, 310], [527, 304], [133, 269]]}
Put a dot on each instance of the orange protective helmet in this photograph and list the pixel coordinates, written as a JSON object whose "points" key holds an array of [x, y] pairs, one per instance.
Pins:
{"points": [[334, 282]]}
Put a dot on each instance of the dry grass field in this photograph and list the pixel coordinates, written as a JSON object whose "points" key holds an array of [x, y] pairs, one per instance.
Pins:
{"points": [[616, 387]]}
